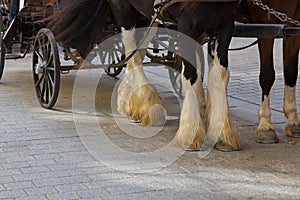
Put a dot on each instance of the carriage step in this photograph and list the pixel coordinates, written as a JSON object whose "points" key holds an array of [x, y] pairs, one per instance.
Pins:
{"points": [[13, 56]]}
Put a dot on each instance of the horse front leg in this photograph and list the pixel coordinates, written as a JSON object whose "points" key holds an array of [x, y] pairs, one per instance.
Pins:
{"points": [[220, 129], [137, 98], [191, 132], [265, 132], [290, 63]]}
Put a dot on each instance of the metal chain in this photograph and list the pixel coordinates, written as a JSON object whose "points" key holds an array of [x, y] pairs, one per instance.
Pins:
{"points": [[281, 16]]}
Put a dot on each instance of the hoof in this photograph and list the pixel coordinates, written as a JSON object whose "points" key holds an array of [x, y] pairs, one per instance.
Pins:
{"points": [[266, 137], [221, 146], [187, 146], [195, 146], [293, 131], [188, 140]]}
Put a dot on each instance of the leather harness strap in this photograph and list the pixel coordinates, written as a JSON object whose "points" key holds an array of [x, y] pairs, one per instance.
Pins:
{"points": [[167, 3]]}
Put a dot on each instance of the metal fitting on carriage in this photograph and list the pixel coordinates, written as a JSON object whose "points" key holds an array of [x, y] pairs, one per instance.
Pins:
{"points": [[39, 68]]}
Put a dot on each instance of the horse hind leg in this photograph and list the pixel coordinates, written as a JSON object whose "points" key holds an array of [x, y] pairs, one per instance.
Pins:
{"points": [[265, 132], [290, 63], [137, 98]]}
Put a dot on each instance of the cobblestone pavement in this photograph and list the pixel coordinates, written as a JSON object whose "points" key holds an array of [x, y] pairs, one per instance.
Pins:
{"points": [[45, 154]]}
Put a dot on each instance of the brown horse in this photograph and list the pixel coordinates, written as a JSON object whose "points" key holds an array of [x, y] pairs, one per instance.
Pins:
{"points": [[251, 12]]}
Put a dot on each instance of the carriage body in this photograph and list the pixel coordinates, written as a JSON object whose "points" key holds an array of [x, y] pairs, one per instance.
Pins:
{"points": [[28, 32]]}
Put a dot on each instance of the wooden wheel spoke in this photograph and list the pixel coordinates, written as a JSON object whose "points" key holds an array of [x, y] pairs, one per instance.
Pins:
{"points": [[51, 86], [40, 50], [43, 47], [43, 91], [49, 52], [50, 62], [101, 57], [50, 79], [116, 56], [39, 81], [47, 91], [38, 54], [111, 57]]}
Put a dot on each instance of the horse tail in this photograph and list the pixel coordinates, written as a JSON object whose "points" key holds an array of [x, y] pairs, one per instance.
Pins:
{"points": [[75, 24]]}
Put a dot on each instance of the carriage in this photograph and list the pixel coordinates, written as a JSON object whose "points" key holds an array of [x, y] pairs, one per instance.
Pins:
{"points": [[47, 67], [28, 31]]}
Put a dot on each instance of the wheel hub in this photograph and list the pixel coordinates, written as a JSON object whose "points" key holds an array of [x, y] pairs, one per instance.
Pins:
{"points": [[40, 68]]}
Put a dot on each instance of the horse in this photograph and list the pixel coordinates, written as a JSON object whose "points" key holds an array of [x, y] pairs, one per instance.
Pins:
{"points": [[250, 12], [201, 117]]}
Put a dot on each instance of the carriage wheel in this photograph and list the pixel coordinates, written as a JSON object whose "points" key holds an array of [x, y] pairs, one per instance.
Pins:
{"points": [[113, 56], [2, 47], [46, 68], [113, 71]]}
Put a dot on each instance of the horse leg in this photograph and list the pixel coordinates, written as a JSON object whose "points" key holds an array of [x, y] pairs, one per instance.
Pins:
{"points": [[220, 128], [265, 132], [191, 132], [138, 99], [290, 63]]}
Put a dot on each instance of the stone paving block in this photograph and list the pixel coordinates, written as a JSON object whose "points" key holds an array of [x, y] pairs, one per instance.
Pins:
{"points": [[75, 179], [19, 148], [6, 155], [63, 149], [9, 172], [104, 183], [70, 195], [33, 198], [18, 185], [127, 197], [47, 163], [76, 156], [20, 157], [38, 191], [46, 156], [129, 189], [92, 193], [38, 169], [11, 194], [26, 177], [172, 194], [89, 171], [33, 151], [71, 187], [47, 182], [62, 166], [109, 176], [54, 174], [16, 165]]}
